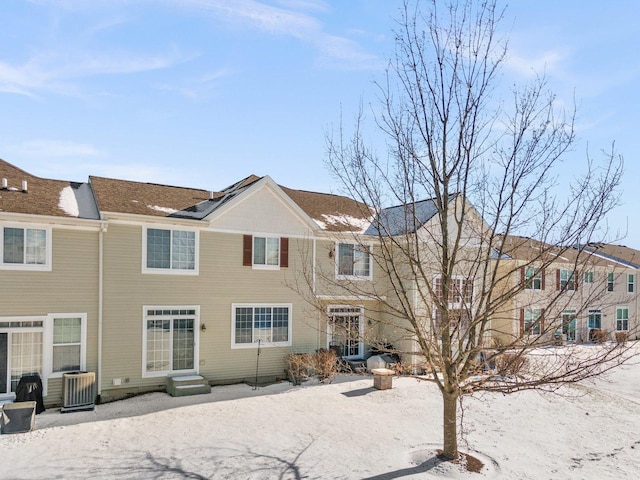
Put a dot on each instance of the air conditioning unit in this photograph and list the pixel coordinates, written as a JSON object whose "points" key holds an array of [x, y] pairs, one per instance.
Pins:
{"points": [[78, 391]]}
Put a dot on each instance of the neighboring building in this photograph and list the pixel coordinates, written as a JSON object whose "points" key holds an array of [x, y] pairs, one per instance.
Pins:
{"points": [[579, 293]]}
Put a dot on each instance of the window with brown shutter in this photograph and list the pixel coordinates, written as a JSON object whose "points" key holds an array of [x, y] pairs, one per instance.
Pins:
{"points": [[284, 252], [247, 250]]}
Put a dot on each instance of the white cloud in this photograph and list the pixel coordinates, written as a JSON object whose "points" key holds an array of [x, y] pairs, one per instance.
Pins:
{"points": [[529, 66], [286, 21], [54, 72]]}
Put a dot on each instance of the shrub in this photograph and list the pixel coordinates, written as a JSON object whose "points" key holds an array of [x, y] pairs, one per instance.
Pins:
{"points": [[325, 364], [298, 367], [598, 335], [510, 364], [621, 337]]}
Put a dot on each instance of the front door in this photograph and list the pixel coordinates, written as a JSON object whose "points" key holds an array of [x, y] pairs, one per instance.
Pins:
{"points": [[345, 331], [569, 326]]}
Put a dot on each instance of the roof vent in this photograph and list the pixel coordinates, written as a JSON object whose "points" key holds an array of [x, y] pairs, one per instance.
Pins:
{"points": [[4, 184], [211, 195], [24, 186]]}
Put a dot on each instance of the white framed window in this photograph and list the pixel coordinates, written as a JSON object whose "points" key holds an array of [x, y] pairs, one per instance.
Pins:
{"points": [[67, 337], [595, 318], [345, 330], [622, 319], [264, 325], [169, 250], [353, 261], [460, 291], [567, 280], [532, 278], [532, 321], [25, 248], [266, 252], [631, 283], [588, 276], [170, 340], [610, 282]]}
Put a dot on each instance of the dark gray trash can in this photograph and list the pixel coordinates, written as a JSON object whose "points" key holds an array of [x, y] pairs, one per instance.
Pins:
{"points": [[18, 417]]}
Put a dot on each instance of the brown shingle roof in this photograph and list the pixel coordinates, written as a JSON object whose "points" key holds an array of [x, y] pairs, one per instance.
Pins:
{"points": [[616, 252], [41, 198], [334, 213], [139, 198]]}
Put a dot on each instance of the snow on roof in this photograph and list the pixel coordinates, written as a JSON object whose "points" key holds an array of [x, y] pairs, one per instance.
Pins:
{"points": [[359, 225], [68, 203], [162, 209]]}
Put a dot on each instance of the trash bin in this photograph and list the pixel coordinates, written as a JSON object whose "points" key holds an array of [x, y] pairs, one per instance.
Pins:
{"points": [[18, 417], [30, 389]]}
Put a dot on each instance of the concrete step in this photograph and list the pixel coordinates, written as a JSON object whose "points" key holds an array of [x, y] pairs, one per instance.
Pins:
{"points": [[187, 385]]}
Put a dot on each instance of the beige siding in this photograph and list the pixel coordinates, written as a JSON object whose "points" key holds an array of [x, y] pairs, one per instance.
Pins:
{"points": [[70, 287], [263, 212], [222, 281]]}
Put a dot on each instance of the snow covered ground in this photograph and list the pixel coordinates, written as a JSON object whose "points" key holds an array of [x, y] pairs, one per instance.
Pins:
{"points": [[345, 430]]}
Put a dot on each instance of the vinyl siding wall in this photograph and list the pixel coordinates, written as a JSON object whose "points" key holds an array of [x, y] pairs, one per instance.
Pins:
{"points": [[222, 281], [70, 287]]}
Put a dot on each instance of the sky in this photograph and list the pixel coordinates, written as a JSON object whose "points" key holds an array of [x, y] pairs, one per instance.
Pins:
{"points": [[202, 93]]}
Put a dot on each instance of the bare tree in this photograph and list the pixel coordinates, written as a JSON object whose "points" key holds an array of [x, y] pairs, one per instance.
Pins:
{"points": [[466, 180]]}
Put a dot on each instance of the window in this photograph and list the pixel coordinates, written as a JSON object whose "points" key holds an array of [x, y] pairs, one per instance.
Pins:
{"points": [[265, 252], [533, 278], [595, 319], [532, 321], [567, 280], [170, 251], [588, 277], [67, 344], [266, 325], [344, 331], [25, 248], [609, 282], [622, 319], [460, 290], [170, 340], [354, 260], [631, 283]]}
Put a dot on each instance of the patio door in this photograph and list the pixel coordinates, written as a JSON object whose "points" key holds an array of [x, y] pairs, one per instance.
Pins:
{"points": [[344, 330], [20, 354], [569, 326]]}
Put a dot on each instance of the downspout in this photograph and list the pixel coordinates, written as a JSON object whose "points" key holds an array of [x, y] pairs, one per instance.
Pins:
{"points": [[313, 292], [414, 345], [100, 303]]}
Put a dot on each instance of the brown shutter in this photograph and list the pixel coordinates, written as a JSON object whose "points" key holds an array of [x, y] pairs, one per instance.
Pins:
{"points": [[284, 252], [543, 275], [247, 250], [521, 321], [522, 277], [541, 320], [558, 279]]}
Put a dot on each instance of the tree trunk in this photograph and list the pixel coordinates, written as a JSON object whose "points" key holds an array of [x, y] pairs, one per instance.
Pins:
{"points": [[450, 425]]}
